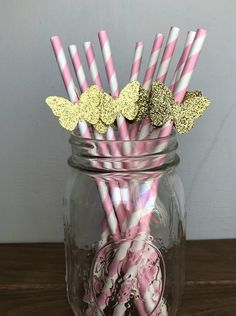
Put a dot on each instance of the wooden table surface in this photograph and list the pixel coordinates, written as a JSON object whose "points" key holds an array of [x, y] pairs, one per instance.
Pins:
{"points": [[32, 279]]}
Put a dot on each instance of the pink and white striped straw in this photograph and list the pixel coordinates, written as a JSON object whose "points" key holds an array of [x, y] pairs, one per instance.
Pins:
{"points": [[76, 61], [182, 60], [90, 56], [138, 53], [149, 74], [119, 195], [168, 53], [113, 82], [164, 66], [64, 68], [148, 77], [68, 80], [116, 192], [186, 75], [153, 188], [83, 127], [190, 64]]}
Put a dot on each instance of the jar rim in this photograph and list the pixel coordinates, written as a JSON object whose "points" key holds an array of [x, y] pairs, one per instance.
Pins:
{"points": [[122, 156], [75, 138]]}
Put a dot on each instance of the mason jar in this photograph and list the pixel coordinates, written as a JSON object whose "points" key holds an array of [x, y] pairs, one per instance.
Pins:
{"points": [[124, 226]]}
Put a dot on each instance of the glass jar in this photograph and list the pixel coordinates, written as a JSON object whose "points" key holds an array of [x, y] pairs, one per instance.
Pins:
{"points": [[124, 227]]}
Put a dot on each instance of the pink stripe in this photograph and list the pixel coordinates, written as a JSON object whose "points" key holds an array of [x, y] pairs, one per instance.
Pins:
{"points": [[136, 66], [65, 72], [76, 60], [103, 37], [110, 67], [200, 32], [134, 129], [66, 75], [98, 82], [87, 134], [91, 59], [56, 43], [166, 130], [150, 72], [169, 51], [139, 43], [184, 56], [157, 44], [162, 78], [180, 64], [119, 207], [167, 54], [190, 65], [90, 55], [122, 126]]}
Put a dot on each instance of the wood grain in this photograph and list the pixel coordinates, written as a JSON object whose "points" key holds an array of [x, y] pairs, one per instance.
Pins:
{"points": [[32, 280]]}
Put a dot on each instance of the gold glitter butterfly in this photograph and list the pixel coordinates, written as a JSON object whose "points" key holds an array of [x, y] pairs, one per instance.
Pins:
{"points": [[143, 104], [126, 104], [163, 107], [70, 113]]}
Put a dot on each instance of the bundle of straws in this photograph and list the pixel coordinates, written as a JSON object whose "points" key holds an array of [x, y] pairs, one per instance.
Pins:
{"points": [[98, 123]]}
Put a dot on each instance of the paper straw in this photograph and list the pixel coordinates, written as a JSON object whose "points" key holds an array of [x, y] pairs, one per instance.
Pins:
{"points": [[154, 195], [76, 61], [182, 60], [116, 191], [122, 251], [83, 127], [145, 126], [162, 73], [148, 77], [186, 75], [190, 64], [112, 80], [64, 68], [146, 204], [68, 80], [168, 53], [138, 53], [90, 56], [149, 74], [168, 127]]}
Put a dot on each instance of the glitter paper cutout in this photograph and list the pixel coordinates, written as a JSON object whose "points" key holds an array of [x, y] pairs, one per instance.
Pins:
{"points": [[163, 107], [127, 100], [161, 102], [67, 112], [134, 103], [143, 104], [70, 113], [126, 104], [101, 127], [108, 109]]}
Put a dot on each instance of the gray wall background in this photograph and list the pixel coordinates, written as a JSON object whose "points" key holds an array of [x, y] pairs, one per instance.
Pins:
{"points": [[34, 148]]}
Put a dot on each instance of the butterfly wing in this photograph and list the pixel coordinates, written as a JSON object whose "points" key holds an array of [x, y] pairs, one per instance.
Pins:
{"points": [[101, 127], [127, 102], [89, 104], [67, 112], [143, 105], [182, 118], [108, 109], [195, 101], [161, 103]]}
